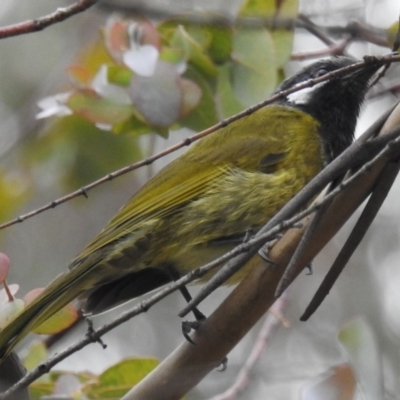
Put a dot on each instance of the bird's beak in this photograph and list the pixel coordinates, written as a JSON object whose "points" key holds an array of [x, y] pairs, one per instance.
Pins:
{"points": [[366, 72]]}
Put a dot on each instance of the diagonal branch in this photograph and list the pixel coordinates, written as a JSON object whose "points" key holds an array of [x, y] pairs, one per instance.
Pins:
{"points": [[35, 25], [222, 324], [189, 364], [357, 154], [188, 141]]}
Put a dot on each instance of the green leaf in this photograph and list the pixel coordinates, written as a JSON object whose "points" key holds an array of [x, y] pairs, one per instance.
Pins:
{"points": [[269, 8], [45, 386], [228, 104], [39, 389], [280, 43], [96, 109], [77, 152], [119, 75], [37, 353], [221, 45], [119, 379], [14, 192], [204, 115], [193, 51], [254, 72], [133, 126], [391, 34]]}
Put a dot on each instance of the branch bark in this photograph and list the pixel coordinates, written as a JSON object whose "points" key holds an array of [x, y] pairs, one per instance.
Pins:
{"points": [[189, 364]]}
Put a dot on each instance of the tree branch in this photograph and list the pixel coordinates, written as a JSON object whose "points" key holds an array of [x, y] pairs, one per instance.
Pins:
{"points": [[188, 141], [189, 364], [35, 25]]}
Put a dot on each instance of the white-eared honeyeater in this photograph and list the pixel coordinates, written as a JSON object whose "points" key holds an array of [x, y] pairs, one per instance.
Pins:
{"points": [[200, 205]]}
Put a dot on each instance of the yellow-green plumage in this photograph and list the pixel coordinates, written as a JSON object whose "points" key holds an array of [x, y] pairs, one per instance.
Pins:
{"points": [[203, 195], [219, 187], [229, 183]]}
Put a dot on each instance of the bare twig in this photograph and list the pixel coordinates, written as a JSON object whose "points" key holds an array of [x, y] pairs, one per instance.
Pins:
{"points": [[35, 25], [146, 304], [304, 242], [336, 168], [335, 49], [188, 141], [368, 215], [189, 364]]}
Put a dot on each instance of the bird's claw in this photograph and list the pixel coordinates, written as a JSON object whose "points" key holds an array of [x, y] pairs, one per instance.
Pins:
{"points": [[263, 254], [310, 269], [187, 327], [224, 365]]}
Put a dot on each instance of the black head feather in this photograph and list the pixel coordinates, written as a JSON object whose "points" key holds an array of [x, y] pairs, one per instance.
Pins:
{"points": [[335, 103]]}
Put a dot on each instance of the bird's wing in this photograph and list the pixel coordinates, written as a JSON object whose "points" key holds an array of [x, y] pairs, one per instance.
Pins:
{"points": [[190, 176]]}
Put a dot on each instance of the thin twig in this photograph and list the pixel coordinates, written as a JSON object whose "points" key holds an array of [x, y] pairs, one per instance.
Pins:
{"points": [[188, 141], [304, 242], [369, 213], [336, 49], [315, 30], [35, 25], [146, 304], [337, 167]]}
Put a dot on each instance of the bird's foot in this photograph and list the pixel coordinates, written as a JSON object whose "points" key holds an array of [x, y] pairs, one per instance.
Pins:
{"points": [[310, 269], [189, 326]]}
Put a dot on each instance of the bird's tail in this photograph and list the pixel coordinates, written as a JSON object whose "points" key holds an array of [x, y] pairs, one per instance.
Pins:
{"points": [[59, 293]]}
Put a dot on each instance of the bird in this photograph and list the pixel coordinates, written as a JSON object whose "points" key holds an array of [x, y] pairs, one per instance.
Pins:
{"points": [[206, 201]]}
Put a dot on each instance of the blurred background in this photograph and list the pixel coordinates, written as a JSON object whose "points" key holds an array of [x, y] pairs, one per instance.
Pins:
{"points": [[43, 159]]}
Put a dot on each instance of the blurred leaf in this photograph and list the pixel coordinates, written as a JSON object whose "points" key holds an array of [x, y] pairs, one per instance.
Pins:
{"points": [[133, 126], [340, 384], [119, 379], [173, 56], [96, 109], [363, 353], [59, 321], [216, 40], [79, 76], [194, 53], [204, 115], [119, 75], [77, 152], [39, 389], [48, 385], [14, 192], [158, 98], [37, 353], [9, 310], [269, 8], [259, 63], [93, 56], [391, 34], [191, 95], [254, 73], [283, 45], [220, 47], [228, 104]]}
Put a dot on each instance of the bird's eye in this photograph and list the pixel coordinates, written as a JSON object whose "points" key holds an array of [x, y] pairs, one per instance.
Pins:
{"points": [[321, 72]]}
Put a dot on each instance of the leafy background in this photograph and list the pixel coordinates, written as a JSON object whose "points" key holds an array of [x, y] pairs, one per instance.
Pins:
{"points": [[41, 161]]}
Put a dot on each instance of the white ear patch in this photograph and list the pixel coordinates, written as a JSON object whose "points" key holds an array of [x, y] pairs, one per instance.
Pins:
{"points": [[303, 96]]}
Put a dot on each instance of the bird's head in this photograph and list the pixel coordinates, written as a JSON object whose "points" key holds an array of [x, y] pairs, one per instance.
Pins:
{"points": [[335, 103]]}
